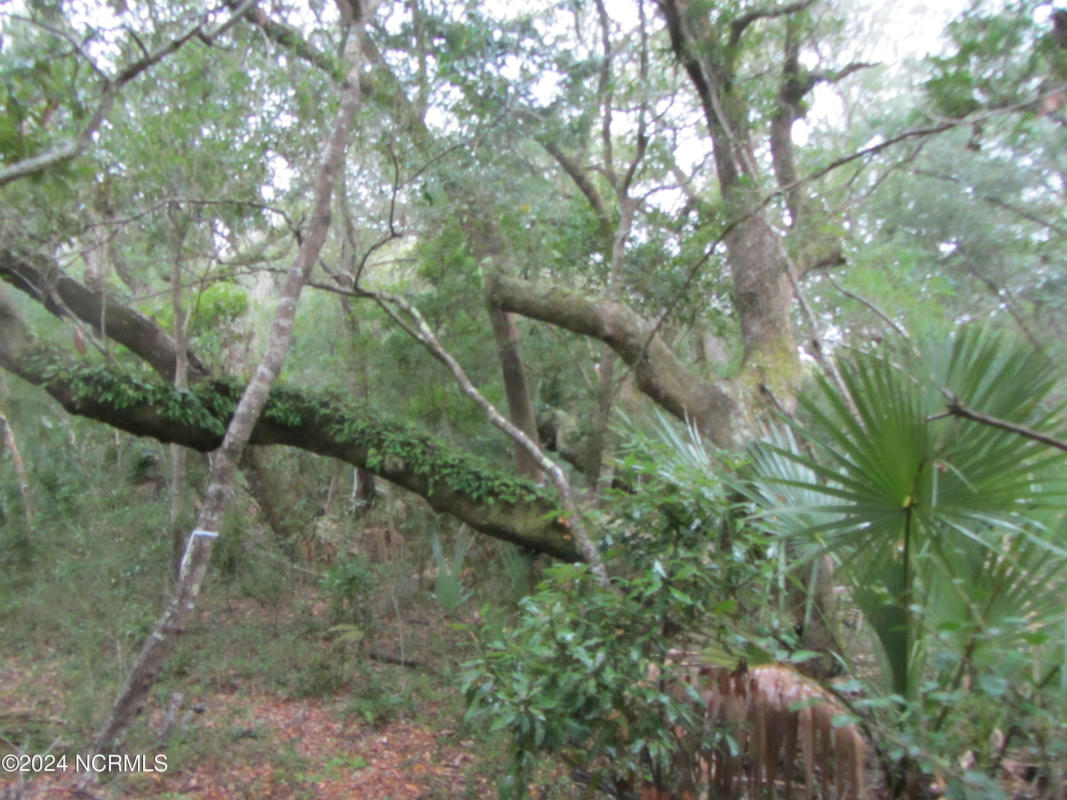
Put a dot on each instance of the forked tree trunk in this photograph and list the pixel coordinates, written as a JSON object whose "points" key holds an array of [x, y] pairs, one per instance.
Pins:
{"points": [[224, 464]]}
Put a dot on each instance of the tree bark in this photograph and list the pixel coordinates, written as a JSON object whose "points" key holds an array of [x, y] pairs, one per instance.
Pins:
{"points": [[68, 298], [516, 388], [176, 489], [20, 468], [491, 502], [759, 265], [198, 549], [713, 407]]}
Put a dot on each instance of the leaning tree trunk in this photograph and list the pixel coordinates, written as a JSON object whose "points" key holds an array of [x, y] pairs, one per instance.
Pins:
{"points": [[177, 453], [20, 468], [198, 550]]}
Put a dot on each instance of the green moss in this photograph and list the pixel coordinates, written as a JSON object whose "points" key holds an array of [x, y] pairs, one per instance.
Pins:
{"points": [[775, 369], [392, 445]]}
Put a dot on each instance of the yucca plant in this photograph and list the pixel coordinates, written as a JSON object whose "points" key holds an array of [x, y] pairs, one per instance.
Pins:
{"points": [[950, 531]]}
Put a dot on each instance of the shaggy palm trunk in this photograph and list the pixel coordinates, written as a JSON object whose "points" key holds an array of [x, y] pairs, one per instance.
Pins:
{"points": [[224, 462]]}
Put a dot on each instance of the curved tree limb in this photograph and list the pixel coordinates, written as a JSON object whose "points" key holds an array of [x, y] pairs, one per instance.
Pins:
{"points": [[741, 24], [713, 407], [581, 179], [66, 297], [489, 501]]}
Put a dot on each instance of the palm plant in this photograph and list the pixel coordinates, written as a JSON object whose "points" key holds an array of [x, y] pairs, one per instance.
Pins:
{"points": [[951, 532]]}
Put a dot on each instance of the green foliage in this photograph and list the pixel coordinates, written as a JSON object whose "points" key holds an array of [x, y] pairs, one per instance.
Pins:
{"points": [[391, 444], [448, 582], [122, 391], [348, 588], [229, 556], [40, 85], [1001, 56], [951, 532], [556, 682], [518, 570], [219, 304], [573, 675], [84, 587], [378, 708]]}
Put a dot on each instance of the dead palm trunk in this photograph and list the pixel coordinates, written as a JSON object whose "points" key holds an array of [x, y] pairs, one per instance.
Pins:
{"points": [[224, 463]]}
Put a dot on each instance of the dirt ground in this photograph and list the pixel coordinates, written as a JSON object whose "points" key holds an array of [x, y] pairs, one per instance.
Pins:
{"points": [[242, 739]]}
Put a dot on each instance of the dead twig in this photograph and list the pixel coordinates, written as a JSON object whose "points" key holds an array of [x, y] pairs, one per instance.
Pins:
{"points": [[954, 408]]}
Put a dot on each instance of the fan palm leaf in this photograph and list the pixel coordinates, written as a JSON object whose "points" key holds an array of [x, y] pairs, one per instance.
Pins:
{"points": [[936, 519]]}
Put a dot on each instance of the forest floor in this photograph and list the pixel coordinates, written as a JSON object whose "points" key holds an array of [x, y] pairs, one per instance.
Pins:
{"points": [[274, 705], [272, 710]]}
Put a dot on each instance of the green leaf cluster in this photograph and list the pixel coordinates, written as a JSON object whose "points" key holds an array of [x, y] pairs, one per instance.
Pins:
{"points": [[588, 671], [950, 533]]}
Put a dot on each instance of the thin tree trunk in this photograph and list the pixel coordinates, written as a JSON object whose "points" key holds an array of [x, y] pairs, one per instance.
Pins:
{"points": [[601, 450], [181, 381], [224, 464], [20, 468], [364, 491], [520, 409], [274, 498]]}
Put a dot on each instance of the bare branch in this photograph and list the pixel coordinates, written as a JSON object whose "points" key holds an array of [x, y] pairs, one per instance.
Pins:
{"points": [[59, 33], [872, 307], [290, 38], [642, 121], [604, 92], [844, 72], [585, 186], [417, 328], [956, 409], [992, 200], [739, 25]]}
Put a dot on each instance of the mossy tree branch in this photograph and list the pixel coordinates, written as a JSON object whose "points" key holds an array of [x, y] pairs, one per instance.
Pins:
{"points": [[452, 482], [660, 374]]}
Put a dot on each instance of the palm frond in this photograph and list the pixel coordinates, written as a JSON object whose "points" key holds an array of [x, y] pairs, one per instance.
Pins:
{"points": [[933, 518]]}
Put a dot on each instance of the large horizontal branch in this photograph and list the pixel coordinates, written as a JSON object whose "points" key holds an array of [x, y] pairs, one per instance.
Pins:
{"points": [[66, 297], [452, 482], [659, 373]]}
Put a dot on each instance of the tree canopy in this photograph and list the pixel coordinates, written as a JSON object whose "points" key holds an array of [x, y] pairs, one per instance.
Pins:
{"points": [[631, 175], [548, 218]]}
